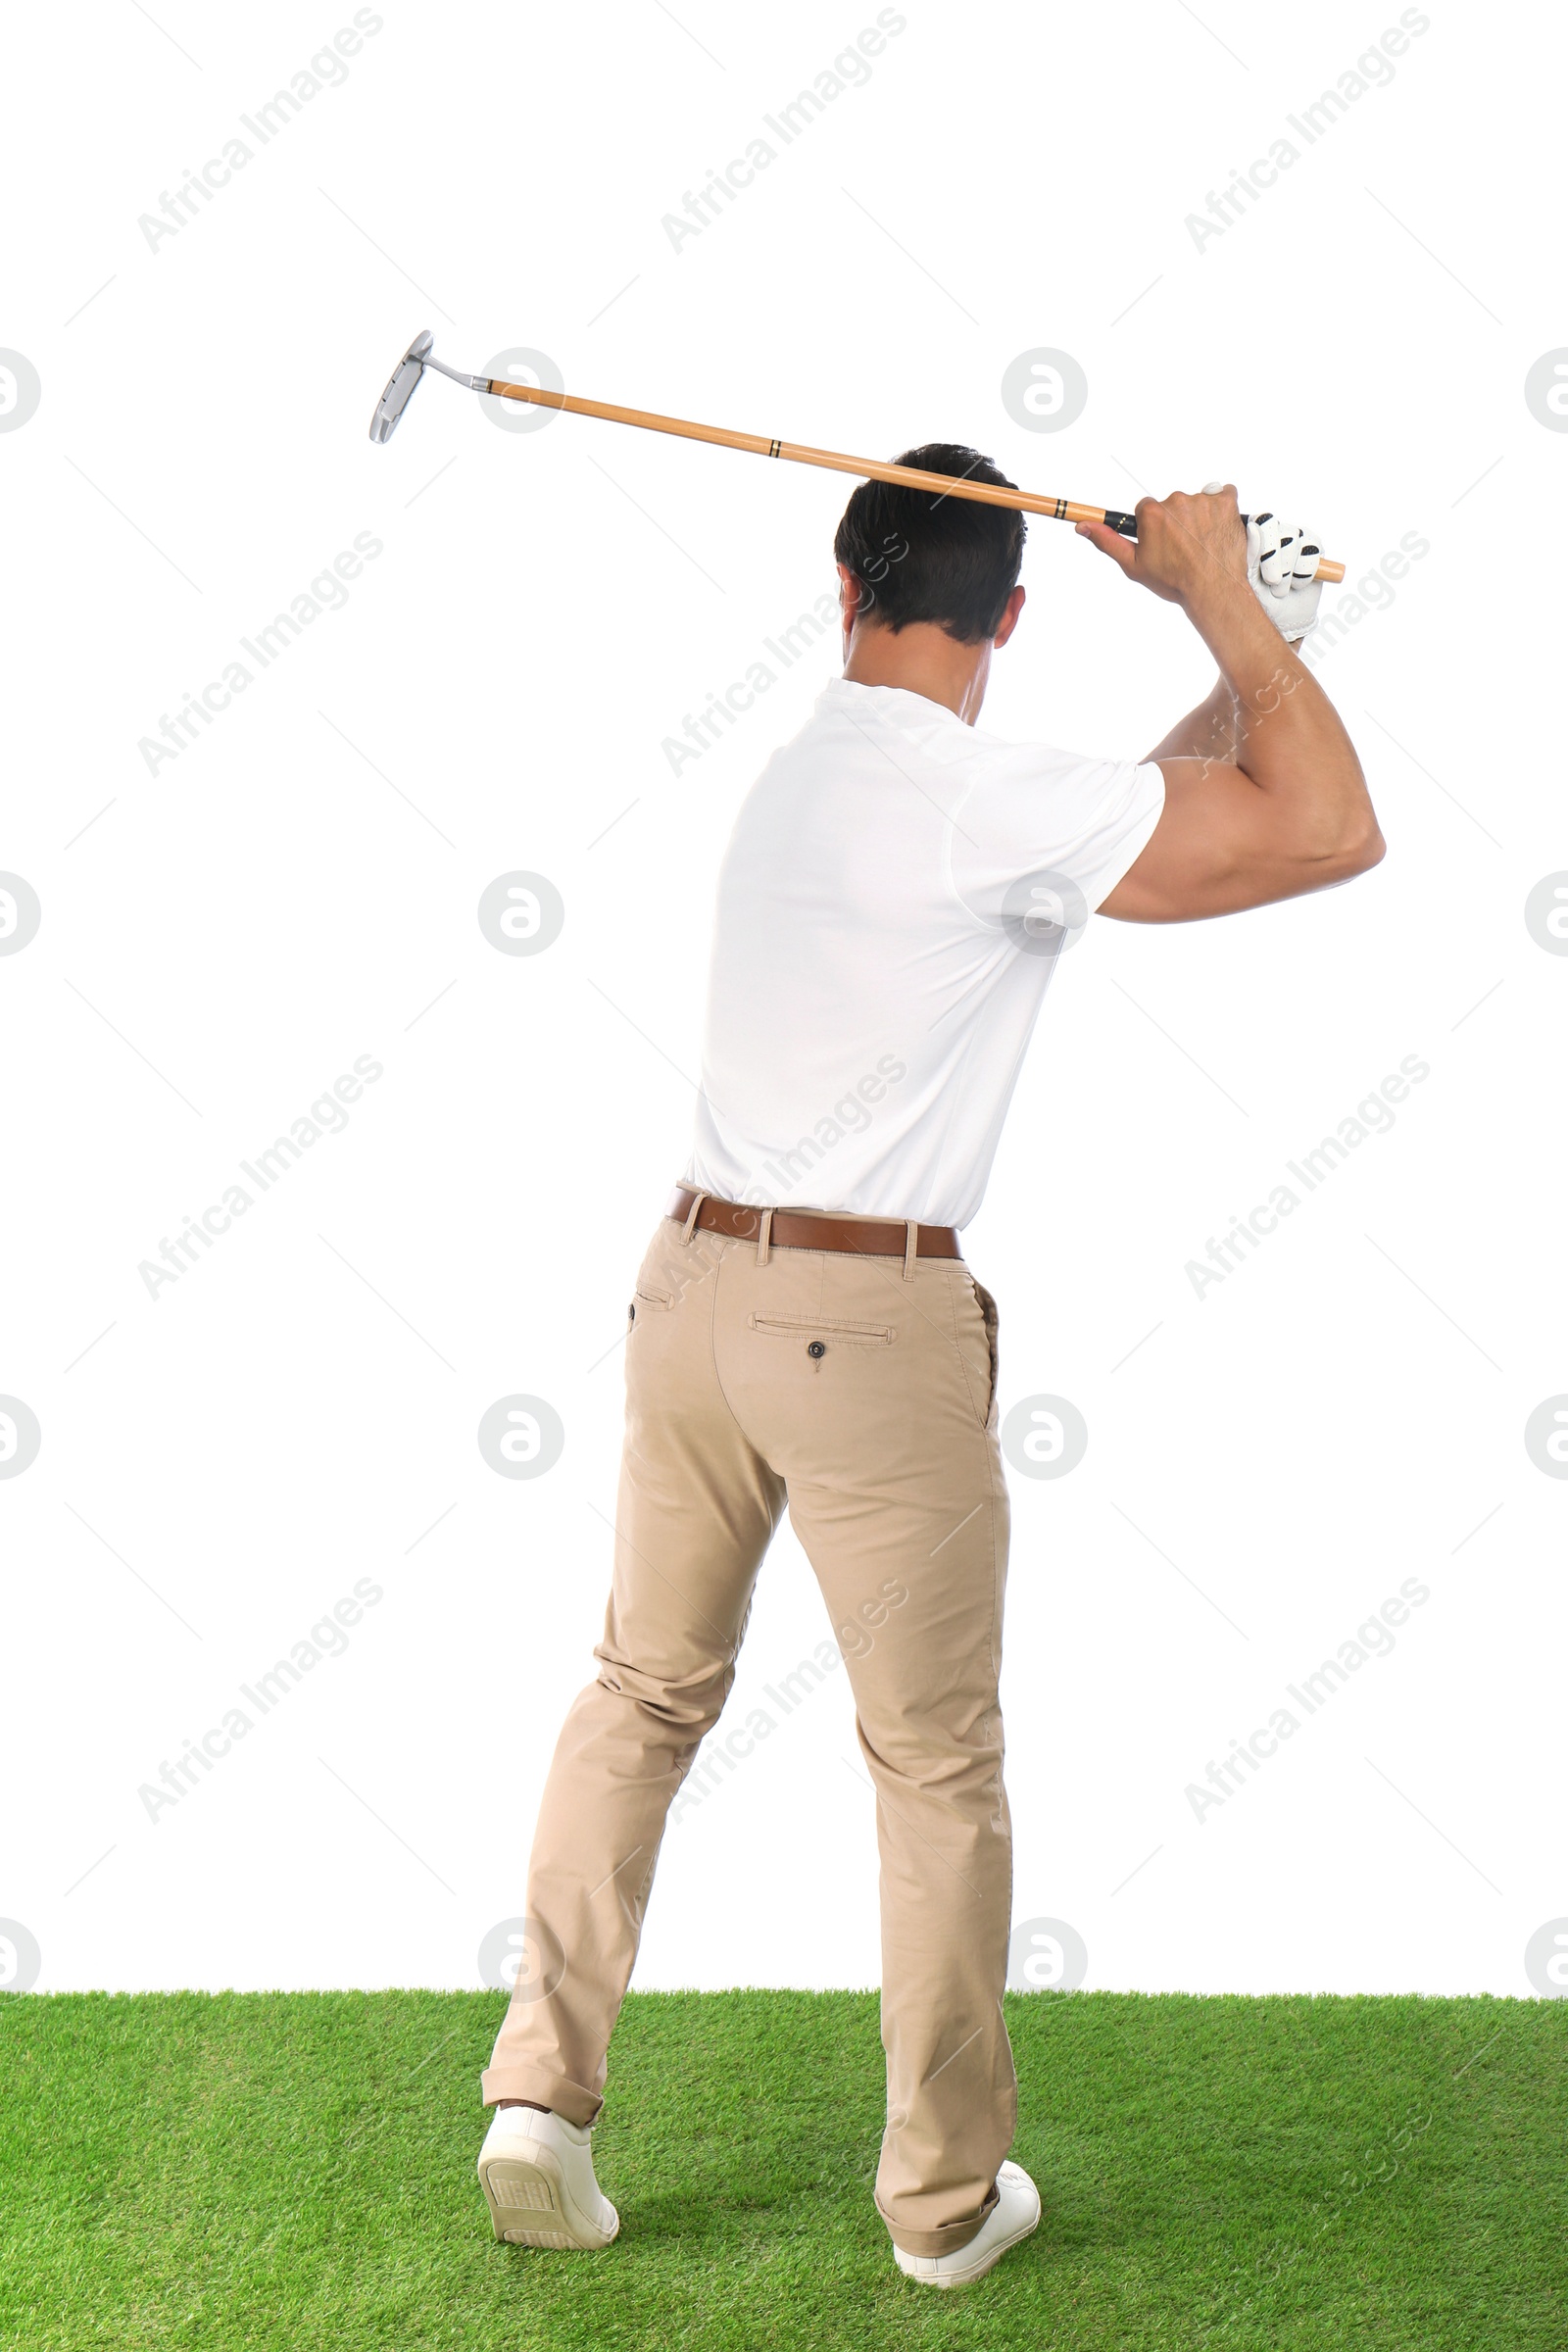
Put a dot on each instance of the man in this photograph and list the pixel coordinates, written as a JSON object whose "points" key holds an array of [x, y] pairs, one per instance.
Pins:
{"points": [[804, 1331]]}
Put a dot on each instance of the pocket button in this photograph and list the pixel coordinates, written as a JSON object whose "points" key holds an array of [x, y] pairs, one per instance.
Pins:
{"points": [[816, 1349]]}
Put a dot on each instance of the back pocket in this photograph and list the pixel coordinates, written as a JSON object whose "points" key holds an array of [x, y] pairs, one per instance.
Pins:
{"points": [[794, 1327]]}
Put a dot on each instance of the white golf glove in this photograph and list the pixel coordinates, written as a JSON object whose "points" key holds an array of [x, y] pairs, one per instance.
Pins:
{"points": [[1281, 561]]}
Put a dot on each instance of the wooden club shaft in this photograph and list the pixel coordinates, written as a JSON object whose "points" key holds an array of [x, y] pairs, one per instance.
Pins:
{"points": [[946, 485]]}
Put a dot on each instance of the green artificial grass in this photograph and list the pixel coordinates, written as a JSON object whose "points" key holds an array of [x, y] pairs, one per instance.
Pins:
{"points": [[296, 2170]]}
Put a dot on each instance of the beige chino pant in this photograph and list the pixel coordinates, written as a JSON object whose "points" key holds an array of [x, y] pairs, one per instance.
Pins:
{"points": [[861, 1392]]}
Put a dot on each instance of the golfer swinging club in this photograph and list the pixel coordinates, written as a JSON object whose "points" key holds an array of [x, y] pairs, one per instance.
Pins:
{"points": [[806, 1334]]}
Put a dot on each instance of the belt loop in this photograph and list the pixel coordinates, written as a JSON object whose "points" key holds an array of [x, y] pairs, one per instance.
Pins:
{"points": [[765, 1237], [911, 1244], [688, 1227]]}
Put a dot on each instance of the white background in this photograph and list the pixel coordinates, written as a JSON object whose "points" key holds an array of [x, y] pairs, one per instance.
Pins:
{"points": [[298, 888]]}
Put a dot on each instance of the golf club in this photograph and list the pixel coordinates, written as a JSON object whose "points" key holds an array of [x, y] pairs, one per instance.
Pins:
{"points": [[419, 356]]}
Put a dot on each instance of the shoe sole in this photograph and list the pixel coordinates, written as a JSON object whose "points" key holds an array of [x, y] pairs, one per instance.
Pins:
{"points": [[977, 2270], [528, 2207]]}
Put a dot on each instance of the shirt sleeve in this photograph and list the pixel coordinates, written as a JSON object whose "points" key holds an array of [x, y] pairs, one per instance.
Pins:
{"points": [[1039, 821]]}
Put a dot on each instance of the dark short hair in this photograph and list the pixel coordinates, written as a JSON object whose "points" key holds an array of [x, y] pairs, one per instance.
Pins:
{"points": [[921, 555]]}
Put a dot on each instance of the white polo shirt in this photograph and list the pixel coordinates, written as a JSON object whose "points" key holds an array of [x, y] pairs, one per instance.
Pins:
{"points": [[893, 901]]}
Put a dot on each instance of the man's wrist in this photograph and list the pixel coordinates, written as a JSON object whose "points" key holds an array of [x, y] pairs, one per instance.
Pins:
{"points": [[1258, 664], [1218, 607]]}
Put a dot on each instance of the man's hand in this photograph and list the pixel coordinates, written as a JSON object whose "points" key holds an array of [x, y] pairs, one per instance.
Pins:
{"points": [[1191, 546], [1191, 549]]}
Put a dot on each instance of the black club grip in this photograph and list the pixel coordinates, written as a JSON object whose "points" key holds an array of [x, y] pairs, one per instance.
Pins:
{"points": [[1127, 525]]}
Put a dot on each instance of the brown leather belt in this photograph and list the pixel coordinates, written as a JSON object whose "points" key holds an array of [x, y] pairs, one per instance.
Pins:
{"points": [[813, 1228]]}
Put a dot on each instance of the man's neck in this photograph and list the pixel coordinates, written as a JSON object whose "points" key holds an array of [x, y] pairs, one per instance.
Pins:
{"points": [[923, 660]]}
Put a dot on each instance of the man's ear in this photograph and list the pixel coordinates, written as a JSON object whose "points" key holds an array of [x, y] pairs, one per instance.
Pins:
{"points": [[849, 593], [1010, 615]]}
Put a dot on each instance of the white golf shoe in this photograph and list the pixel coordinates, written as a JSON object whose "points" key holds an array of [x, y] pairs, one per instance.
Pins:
{"points": [[1013, 2217], [537, 2173]]}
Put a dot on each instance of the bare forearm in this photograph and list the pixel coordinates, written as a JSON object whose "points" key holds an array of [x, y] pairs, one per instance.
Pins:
{"points": [[1288, 738]]}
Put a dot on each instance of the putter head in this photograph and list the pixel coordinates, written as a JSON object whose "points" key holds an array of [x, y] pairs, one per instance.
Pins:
{"points": [[401, 387]]}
